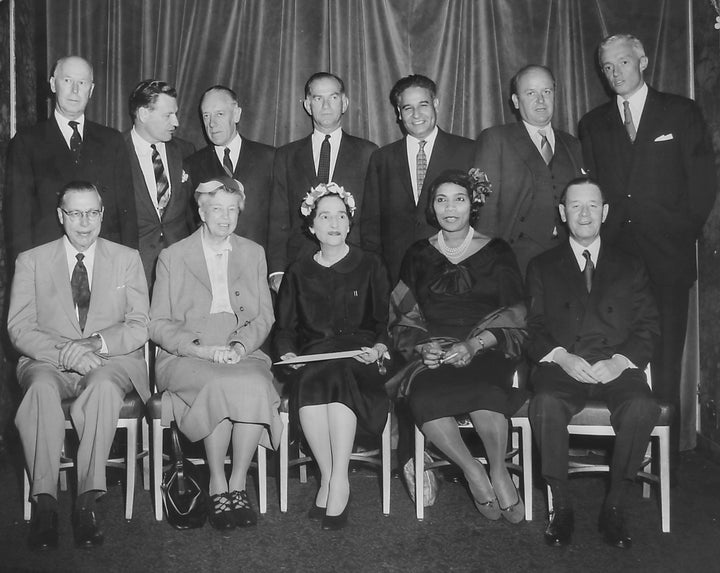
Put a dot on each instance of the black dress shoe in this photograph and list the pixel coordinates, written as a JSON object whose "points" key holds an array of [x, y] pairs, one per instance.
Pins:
{"points": [[243, 513], [336, 522], [559, 530], [86, 530], [612, 524], [220, 514], [316, 513], [44, 531]]}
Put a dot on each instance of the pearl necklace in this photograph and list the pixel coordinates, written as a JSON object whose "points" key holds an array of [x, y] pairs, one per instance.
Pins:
{"points": [[455, 252]]}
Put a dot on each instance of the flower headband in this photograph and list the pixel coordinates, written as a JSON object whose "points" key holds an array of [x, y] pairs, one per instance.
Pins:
{"points": [[480, 185], [322, 189]]}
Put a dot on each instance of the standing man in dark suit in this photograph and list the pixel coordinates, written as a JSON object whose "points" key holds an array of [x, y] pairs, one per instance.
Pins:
{"points": [[162, 194], [592, 323], [67, 147], [652, 155], [400, 173], [328, 154], [233, 155], [79, 318], [528, 163]]}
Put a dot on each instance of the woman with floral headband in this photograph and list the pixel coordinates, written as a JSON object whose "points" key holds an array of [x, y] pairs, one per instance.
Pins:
{"points": [[334, 300], [457, 316]]}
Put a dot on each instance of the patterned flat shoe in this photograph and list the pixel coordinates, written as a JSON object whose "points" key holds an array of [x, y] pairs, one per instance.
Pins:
{"points": [[220, 515], [243, 513], [490, 509], [516, 512]]}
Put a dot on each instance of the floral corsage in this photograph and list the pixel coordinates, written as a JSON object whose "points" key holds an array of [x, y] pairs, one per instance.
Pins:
{"points": [[480, 185]]}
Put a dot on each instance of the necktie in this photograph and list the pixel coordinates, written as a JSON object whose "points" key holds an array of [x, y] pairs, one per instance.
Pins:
{"points": [[80, 289], [75, 140], [545, 148], [421, 164], [227, 163], [324, 163], [629, 125], [588, 270], [161, 182]]}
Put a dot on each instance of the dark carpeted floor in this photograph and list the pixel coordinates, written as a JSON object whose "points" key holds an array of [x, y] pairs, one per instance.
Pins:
{"points": [[453, 536]]}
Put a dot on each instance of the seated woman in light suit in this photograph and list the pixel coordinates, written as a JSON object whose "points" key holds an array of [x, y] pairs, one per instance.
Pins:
{"points": [[210, 313]]}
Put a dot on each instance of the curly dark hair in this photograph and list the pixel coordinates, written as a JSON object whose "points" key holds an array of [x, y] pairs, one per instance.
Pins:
{"points": [[458, 177]]}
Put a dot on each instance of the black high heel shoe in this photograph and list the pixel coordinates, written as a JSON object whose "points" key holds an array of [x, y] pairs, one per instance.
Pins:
{"points": [[336, 522]]}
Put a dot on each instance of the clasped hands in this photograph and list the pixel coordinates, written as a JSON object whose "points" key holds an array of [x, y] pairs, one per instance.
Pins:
{"points": [[80, 355], [230, 354], [458, 355], [579, 369]]}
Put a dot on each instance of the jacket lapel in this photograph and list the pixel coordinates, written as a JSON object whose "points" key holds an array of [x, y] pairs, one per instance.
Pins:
{"points": [[61, 280], [195, 260], [102, 283], [572, 276], [175, 166], [305, 162], [142, 194], [400, 159]]}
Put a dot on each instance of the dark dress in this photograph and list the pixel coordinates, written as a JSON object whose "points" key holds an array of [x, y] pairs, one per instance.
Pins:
{"points": [[453, 299], [328, 309]]}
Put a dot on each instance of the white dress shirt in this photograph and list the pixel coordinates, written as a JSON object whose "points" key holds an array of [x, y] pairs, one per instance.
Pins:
{"points": [[317, 140], [234, 145], [537, 138], [67, 131], [637, 105], [217, 266], [413, 146], [144, 154]]}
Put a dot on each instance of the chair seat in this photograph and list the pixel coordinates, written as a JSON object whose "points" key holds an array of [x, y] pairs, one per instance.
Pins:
{"points": [[596, 413], [522, 410], [153, 407], [132, 407]]}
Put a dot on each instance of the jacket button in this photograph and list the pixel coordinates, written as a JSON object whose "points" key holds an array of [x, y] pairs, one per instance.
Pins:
{"points": [[237, 293], [242, 309]]}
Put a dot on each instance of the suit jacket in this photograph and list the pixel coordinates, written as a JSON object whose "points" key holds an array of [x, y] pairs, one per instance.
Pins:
{"points": [[254, 170], [390, 221], [661, 188], [294, 175], [42, 313], [522, 208], [154, 234], [40, 164], [618, 316], [182, 296]]}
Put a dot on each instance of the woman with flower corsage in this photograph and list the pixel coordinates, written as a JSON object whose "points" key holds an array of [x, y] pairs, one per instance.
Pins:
{"points": [[457, 315], [334, 300]]}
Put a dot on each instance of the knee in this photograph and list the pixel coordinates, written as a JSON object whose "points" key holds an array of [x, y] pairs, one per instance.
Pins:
{"points": [[41, 393], [640, 410]]}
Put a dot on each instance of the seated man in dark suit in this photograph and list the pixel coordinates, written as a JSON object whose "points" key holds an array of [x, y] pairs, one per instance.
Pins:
{"points": [[67, 147], [328, 154], [162, 193], [79, 318], [592, 323], [400, 174], [232, 154]]}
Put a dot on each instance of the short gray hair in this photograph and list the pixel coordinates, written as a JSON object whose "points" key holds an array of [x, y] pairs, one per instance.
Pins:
{"points": [[634, 43]]}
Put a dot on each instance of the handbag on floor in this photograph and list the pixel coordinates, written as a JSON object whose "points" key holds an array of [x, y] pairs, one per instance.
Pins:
{"points": [[184, 499]]}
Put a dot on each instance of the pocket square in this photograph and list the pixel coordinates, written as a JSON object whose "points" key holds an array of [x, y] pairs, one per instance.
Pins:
{"points": [[665, 137]]}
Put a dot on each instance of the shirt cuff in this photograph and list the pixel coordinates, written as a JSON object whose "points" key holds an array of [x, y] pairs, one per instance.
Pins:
{"points": [[628, 362], [103, 346], [550, 356]]}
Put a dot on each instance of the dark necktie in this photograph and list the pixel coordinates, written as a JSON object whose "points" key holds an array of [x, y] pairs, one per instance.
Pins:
{"points": [[161, 182], [324, 163], [629, 125], [545, 148], [588, 270], [421, 165], [227, 163], [80, 289], [75, 140]]}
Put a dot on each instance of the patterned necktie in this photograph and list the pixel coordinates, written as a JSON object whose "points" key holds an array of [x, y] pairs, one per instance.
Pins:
{"points": [[588, 270], [75, 140], [545, 148], [161, 182], [323, 173], [80, 289], [421, 163], [629, 125], [227, 163]]}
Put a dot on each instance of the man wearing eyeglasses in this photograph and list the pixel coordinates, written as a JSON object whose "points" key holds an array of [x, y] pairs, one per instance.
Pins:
{"points": [[79, 318], [67, 147]]}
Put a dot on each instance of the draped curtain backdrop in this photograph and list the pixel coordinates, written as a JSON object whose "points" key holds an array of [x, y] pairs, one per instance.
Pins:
{"points": [[266, 49]]}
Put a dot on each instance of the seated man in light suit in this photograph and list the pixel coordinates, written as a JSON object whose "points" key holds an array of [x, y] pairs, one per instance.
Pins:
{"points": [[79, 318], [592, 323]]}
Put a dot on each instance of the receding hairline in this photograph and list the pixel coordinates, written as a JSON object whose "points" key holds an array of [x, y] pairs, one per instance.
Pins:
{"points": [[522, 72], [61, 61], [220, 90]]}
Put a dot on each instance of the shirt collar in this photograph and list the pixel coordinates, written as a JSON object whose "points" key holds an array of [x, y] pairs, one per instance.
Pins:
{"points": [[335, 136], [142, 145], [637, 100], [64, 123], [233, 145], [578, 250], [429, 140]]}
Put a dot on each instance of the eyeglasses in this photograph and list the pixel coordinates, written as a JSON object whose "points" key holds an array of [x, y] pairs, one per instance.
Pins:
{"points": [[92, 215]]}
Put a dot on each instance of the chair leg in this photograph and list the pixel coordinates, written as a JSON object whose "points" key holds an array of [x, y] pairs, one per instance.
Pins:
{"points": [[526, 439], [419, 473], [302, 467], [146, 454], [262, 478], [131, 468], [157, 458], [27, 507], [664, 447], [386, 450], [550, 499], [284, 445]]}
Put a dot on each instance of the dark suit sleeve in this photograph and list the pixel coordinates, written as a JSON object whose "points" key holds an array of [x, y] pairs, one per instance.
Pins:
{"points": [[370, 216], [279, 223], [587, 148], [19, 194], [489, 160], [541, 340]]}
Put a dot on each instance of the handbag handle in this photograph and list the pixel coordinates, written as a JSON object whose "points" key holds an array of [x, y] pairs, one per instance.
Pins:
{"points": [[179, 459]]}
